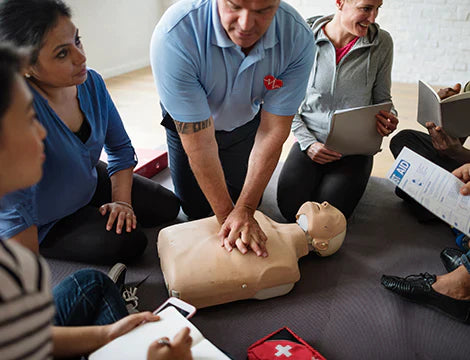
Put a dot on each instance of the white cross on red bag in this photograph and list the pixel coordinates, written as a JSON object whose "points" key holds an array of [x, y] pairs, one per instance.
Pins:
{"points": [[283, 344]]}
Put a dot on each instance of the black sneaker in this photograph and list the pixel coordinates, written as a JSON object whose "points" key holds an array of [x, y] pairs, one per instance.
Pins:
{"points": [[118, 274], [129, 294], [128, 291]]}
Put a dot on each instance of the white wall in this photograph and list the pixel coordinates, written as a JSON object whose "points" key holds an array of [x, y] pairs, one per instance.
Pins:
{"points": [[432, 37], [166, 3], [116, 33]]}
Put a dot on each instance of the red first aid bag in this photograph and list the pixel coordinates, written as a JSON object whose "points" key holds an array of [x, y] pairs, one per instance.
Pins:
{"points": [[281, 345]]}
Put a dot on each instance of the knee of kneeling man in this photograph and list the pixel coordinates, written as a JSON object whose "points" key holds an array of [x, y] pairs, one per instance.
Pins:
{"points": [[397, 142], [197, 212]]}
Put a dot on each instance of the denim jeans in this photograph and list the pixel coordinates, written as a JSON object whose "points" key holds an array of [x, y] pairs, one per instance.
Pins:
{"points": [[466, 261], [234, 151], [87, 297]]}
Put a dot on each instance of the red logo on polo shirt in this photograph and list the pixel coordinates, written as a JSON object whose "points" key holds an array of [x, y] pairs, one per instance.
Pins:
{"points": [[271, 83]]}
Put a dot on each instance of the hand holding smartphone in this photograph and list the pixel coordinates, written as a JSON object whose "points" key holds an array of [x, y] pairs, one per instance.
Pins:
{"points": [[187, 310]]}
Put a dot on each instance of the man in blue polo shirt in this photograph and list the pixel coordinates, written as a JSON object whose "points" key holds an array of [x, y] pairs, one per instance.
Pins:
{"points": [[231, 74]]}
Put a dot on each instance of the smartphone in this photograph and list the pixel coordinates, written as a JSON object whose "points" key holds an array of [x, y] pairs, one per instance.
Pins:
{"points": [[187, 310]]}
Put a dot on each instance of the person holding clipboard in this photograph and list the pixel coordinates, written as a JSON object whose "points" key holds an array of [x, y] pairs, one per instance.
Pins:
{"points": [[352, 68]]}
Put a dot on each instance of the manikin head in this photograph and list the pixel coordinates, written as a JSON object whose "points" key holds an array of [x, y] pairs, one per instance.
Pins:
{"points": [[325, 226]]}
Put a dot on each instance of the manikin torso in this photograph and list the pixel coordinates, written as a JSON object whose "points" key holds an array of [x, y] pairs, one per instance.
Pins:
{"points": [[198, 270]]}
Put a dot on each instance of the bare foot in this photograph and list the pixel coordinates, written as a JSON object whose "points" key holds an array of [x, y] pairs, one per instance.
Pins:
{"points": [[455, 284]]}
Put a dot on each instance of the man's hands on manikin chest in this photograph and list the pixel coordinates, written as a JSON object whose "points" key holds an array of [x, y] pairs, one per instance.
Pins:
{"points": [[239, 228]]}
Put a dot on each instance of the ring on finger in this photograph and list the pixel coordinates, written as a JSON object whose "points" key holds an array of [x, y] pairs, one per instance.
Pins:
{"points": [[165, 342]]}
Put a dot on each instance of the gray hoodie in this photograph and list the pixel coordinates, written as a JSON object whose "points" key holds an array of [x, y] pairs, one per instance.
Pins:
{"points": [[362, 77]]}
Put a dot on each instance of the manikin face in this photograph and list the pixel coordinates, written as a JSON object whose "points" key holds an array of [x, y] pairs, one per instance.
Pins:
{"points": [[357, 15], [21, 146], [61, 61], [325, 224], [246, 21]]}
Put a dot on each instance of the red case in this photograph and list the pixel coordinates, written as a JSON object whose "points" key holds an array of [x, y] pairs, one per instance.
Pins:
{"points": [[151, 162], [283, 344]]}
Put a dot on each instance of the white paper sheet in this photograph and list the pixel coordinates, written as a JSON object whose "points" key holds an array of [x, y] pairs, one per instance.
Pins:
{"points": [[134, 345], [433, 187]]}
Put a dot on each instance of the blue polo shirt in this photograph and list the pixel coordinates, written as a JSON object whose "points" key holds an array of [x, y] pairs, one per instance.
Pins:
{"points": [[200, 72]]}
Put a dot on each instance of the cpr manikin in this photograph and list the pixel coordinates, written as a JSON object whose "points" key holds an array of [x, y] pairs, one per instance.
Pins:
{"points": [[198, 270]]}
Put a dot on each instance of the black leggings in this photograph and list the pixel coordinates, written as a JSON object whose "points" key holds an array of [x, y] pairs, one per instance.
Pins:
{"points": [[342, 183], [420, 143], [82, 236]]}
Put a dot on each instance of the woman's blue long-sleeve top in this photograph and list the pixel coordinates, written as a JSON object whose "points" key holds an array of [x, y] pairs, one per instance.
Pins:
{"points": [[69, 172]]}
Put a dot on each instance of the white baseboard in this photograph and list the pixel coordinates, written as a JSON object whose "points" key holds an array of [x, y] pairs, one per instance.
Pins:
{"points": [[124, 68]]}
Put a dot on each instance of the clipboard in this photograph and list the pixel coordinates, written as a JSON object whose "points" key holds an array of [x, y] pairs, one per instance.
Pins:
{"points": [[354, 132]]}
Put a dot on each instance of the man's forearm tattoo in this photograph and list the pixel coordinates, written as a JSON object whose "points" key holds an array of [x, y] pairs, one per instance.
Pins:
{"points": [[193, 127]]}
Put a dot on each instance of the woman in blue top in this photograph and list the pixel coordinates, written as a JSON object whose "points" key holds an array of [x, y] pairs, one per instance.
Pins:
{"points": [[89, 311], [64, 215]]}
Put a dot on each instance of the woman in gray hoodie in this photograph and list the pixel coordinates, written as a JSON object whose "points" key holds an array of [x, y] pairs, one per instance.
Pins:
{"points": [[352, 67]]}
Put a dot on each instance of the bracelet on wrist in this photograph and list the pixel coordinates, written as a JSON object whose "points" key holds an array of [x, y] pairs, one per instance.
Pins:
{"points": [[125, 204]]}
